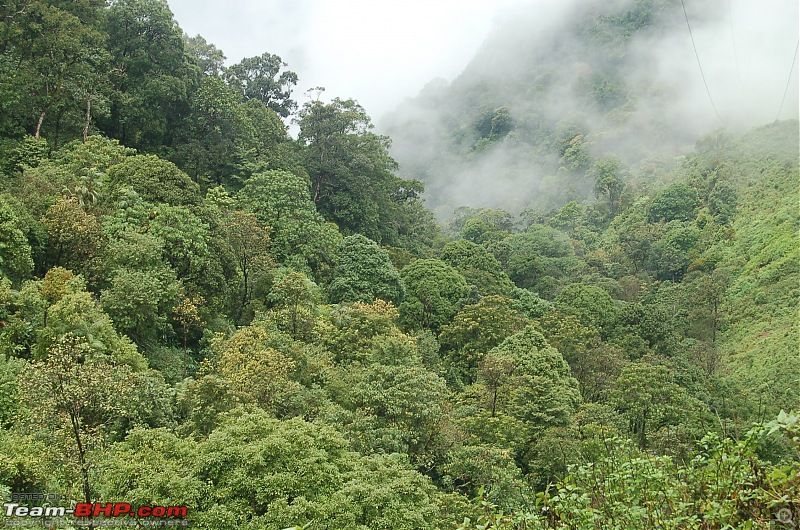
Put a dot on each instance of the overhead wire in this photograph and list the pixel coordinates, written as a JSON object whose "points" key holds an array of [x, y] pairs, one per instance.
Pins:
{"points": [[697, 56], [788, 81]]}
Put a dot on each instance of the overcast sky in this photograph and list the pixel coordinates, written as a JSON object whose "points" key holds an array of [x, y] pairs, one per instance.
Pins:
{"points": [[380, 52], [375, 51]]}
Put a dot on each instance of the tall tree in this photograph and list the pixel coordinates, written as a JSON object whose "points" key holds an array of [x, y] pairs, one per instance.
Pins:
{"points": [[364, 272], [15, 252], [543, 392], [476, 329], [152, 76], [72, 397], [281, 200], [351, 171], [608, 173], [209, 58], [249, 241], [434, 293], [53, 64], [218, 138], [155, 180], [261, 78]]}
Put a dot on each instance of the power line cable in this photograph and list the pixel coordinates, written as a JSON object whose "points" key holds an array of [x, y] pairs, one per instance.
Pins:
{"points": [[788, 81], [694, 46]]}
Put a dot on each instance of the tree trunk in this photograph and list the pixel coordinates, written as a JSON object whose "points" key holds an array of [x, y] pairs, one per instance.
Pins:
{"points": [[39, 124], [88, 118], [185, 332], [87, 490]]}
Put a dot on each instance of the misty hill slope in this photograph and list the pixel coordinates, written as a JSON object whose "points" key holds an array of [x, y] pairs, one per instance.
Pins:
{"points": [[557, 86], [761, 342]]}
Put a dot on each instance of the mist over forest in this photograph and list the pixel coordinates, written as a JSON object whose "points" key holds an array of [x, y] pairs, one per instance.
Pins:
{"points": [[558, 292], [559, 84]]}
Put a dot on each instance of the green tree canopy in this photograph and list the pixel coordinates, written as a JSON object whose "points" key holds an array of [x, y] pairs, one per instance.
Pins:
{"points": [[16, 262], [434, 293], [294, 472], [280, 199], [156, 180], [542, 392], [261, 78], [476, 329], [608, 174], [363, 273], [151, 75], [479, 267], [676, 202]]}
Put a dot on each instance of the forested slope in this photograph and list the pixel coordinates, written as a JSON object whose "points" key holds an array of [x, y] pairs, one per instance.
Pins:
{"points": [[764, 258], [200, 311]]}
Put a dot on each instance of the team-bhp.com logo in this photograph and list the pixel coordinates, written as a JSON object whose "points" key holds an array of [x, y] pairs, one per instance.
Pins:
{"points": [[17, 511], [84, 509]]}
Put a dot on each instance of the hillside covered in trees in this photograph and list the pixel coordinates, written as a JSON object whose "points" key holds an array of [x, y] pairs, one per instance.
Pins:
{"points": [[200, 310]]}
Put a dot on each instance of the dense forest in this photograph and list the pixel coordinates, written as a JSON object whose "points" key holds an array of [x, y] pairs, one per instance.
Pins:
{"points": [[200, 310]]}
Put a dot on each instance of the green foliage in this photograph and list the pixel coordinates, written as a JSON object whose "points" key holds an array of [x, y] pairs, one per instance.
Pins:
{"points": [[489, 470], [590, 303], [257, 78], [396, 409], [201, 401], [590, 364], [529, 304], [725, 486], [762, 261], [184, 237], [74, 235], [676, 202], [138, 303], [351, 180], [28, 152], [594, 364], [383, 492], [539, 259], [255, 368], [281, 200], [223, 139], [249, 242], [294, 297], [10, 370], [151, 73], [434, 293], [608, 174], [70, 397], [58, 57], [478, 266], [95, 152], [77, 313], [15, 252], [209, 58], [718, 488], [363, 273], [475, 330], [671, 252], [352, 330], [294, 473], [172, 481], [542, 392], [268, 464], [647, 396], [155, 180]]}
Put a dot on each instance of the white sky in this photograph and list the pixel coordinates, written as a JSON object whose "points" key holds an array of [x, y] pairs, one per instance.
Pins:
{"points": [[380, 52], [375, 51]]}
